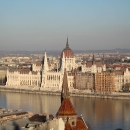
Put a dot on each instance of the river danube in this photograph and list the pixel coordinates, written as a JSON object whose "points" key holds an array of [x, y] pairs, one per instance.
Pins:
{"points": [[101, 114]]}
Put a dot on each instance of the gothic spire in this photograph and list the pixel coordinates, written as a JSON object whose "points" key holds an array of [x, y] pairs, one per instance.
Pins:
{"points": [[93, 59], [65, 90], [45, 62], [103, 59]]}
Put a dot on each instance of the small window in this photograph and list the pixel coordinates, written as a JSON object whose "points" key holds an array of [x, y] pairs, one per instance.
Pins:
{"points": [[73, 123]]}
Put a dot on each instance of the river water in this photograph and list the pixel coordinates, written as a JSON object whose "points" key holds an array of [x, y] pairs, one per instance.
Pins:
{"points": [[100, 114]]}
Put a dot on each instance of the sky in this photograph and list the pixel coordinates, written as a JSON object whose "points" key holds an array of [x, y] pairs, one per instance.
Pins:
{"points": [[33, 25]]}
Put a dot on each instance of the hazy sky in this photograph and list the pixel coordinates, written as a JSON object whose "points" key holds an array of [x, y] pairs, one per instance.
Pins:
{"points": [[44, 24]]}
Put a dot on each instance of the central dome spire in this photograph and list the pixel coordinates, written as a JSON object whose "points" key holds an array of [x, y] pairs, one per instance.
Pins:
{"points": [[67, 44], [68, 53]]}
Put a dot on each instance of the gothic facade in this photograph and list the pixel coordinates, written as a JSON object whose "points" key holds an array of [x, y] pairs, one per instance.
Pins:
{"points": [[94, 66], [40, 75]]}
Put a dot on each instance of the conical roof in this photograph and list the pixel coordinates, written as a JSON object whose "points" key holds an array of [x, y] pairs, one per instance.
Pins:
{"points": [[66, 108], [65, 89]]}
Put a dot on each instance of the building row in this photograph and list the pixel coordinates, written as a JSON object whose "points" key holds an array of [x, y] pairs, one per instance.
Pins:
{"points": [[103, 82], [96, 76]]}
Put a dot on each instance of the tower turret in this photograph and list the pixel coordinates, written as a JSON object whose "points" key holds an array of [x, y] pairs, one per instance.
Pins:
{"points": [[63, 63], [45, 66]]}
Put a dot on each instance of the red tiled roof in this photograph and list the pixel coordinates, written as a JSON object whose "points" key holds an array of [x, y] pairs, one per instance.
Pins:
{"points": [[118, 72], [108, 65], [99, 64], [117, 65], [66, 108], [89, 64], [24, 71], [68, 53], [80, 125], [38, 63], [68, 126]]}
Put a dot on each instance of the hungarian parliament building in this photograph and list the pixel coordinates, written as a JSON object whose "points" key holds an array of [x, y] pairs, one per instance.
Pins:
{"points": [[94, 76], [42, 77]]}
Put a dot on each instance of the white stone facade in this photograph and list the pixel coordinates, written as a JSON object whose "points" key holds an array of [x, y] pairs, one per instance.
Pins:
{"points": [[41, 76], [22, 78], [93, 68], [69, 63], [121, 79], [55, 124]]}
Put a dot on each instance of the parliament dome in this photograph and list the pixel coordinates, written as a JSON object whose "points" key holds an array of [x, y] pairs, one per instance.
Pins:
{"points": [[68, 53]]}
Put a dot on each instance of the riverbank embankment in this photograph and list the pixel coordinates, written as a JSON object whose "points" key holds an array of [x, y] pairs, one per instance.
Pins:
{"points": [[116, 95]]}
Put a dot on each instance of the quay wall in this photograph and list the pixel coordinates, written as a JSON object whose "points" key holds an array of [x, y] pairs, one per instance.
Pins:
{"points": [[86, 95]]}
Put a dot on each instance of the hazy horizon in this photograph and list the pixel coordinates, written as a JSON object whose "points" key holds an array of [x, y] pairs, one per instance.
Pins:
{"points": [[44, 25], [70, 48]]}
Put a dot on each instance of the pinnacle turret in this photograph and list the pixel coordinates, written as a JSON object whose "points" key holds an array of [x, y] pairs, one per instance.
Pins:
{"points": [[45, 66]]}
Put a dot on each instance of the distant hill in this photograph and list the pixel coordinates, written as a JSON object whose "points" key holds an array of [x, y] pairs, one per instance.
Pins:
{"points": [[58, 52]]}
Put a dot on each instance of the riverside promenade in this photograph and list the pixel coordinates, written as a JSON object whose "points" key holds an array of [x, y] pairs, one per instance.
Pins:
{"points": [[73, 92]]}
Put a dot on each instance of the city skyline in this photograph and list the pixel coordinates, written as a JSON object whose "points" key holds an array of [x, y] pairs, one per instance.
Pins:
{"points": [[40, 25]]}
